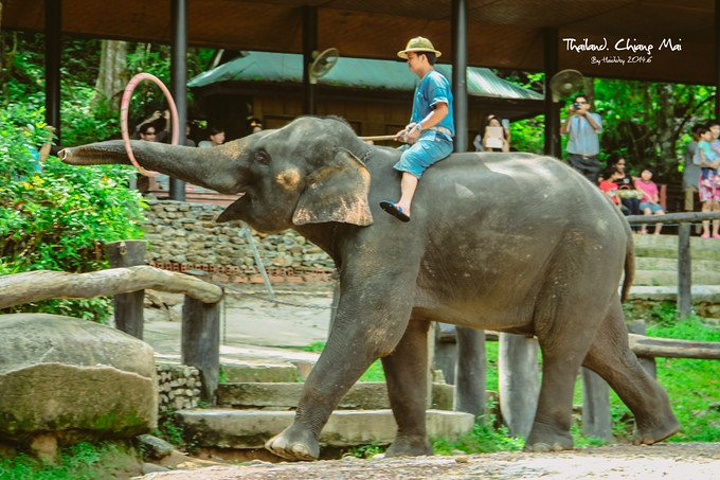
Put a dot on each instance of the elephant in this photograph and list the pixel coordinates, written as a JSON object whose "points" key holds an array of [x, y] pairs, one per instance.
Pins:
{"points": [[510, 242]]}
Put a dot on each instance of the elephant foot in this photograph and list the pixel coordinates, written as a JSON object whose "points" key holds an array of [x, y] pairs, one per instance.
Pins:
{"points": [[295, 443], [546, 438], [409, 447], [647, 435]]}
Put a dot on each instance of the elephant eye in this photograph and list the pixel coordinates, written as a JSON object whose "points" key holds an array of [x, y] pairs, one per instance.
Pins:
{"points": [[262, 157]]}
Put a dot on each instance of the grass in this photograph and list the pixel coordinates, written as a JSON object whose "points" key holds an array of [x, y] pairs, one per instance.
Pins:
{"points": [[83, 461]]}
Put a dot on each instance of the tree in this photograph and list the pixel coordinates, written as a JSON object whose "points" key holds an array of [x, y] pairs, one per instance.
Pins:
{"points": [[112, 75]]}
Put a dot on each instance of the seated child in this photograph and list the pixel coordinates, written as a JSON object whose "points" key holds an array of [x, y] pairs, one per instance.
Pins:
{"points": [[650, 201], [610, 187]]}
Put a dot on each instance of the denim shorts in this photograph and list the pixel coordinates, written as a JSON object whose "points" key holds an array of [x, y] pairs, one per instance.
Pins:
{"points": [[654, 207], [430, 148]]}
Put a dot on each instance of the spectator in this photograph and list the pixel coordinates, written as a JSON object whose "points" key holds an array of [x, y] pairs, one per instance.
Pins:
{"points": [[148, 132], [160, 121], [650, 201], [628, 194], [485, 141], [709, 180], [609, 185], [255, 125], [691, 170], [583, 128], [216, 137], [189, 142]]}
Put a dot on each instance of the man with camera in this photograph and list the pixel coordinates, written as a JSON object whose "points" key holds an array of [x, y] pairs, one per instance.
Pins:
{"points": [[583, 127]]}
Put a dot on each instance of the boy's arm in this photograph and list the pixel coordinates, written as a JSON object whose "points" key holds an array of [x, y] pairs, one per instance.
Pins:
{"points": [[433, 118]]}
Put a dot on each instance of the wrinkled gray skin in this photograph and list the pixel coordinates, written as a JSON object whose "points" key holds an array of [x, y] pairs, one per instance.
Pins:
{"points": [[509, 242]]}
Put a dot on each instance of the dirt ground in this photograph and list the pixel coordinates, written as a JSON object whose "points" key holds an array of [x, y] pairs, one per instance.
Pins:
{"points": [[667, 461], [254, 328]]}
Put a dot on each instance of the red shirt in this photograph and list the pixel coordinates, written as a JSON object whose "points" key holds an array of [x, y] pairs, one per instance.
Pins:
{"points": [[610, 188]]}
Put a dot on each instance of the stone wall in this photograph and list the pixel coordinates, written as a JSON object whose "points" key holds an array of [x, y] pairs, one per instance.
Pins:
{"points": [[178, 387], [184, 236]]}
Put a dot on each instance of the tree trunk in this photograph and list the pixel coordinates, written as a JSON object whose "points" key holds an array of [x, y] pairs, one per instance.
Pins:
{"points": [[112, 76]]}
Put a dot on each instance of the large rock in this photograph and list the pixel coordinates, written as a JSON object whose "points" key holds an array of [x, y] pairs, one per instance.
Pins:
{"points": [[74, 379]]}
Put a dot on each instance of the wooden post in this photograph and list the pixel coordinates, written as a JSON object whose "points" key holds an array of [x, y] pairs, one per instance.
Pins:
{"points": [[684, 296], [445, 357], [128, 306], [648, 363], [470, 372], [201, 342], [519, 382], [596, 406]]}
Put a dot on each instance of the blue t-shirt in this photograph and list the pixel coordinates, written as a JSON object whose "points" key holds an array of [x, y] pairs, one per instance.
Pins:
{"points": [[583, 139], [710, 155], [433, 88]]}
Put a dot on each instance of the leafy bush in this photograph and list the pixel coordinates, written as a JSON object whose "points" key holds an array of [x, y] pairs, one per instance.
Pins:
{"points": [[58, 218], [83, 461]]}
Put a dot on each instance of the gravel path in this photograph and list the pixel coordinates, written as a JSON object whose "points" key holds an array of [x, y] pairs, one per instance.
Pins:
{"points": [[667, 461]]}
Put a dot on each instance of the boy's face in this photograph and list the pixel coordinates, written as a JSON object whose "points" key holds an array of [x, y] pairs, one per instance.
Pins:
{"points": [[707, 136], [715, 131]]}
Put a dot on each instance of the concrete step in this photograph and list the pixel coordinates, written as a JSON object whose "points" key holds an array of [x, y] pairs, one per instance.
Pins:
{"points": [[249, 429], [700, 293], [671, 264], [244, 372], [669, 277], [285, 395], [665, 246]]}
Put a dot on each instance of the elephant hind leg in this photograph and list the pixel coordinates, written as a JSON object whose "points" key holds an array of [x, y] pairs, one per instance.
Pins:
{"points": [[406, 371], [611, 358]]}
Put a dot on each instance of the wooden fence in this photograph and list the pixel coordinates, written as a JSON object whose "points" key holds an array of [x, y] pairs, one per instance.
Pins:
{"points": [[201, 311], [684, 221]]}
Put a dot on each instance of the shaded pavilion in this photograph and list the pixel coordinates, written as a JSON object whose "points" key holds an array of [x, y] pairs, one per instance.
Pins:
{"points": [[530, 35], [372, 95]]}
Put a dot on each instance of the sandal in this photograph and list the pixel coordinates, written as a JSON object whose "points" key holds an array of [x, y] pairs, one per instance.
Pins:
{"points": [[394, 210]]}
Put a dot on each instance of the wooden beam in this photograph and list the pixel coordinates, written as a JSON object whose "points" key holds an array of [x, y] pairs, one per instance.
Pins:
{"points": [[673, 348], [44, 284]]}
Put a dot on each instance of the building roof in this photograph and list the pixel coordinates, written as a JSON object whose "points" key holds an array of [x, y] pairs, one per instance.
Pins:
{"points": [[507, 34], [353, 73]]}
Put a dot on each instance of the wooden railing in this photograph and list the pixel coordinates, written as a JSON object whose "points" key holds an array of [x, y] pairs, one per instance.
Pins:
{"points": [[200, 342]]}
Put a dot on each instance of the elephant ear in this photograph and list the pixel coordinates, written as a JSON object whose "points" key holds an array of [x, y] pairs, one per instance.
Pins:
{"points": [[337, 192]]}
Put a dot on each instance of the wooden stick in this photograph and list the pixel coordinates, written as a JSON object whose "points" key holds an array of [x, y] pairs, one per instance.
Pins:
{"points": [[378, 138]]}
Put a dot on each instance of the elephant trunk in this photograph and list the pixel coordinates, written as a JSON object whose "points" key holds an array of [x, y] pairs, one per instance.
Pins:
{"points": [[214, 168]]}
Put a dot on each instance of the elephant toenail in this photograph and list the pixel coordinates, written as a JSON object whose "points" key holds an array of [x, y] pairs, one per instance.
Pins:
{"points": [[300, 450]]}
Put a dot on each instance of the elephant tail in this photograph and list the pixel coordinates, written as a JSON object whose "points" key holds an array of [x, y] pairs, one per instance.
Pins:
{"points": [[629, 264]]}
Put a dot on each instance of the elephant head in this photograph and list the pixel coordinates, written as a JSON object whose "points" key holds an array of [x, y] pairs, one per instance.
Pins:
{"points": [[309, 171]]}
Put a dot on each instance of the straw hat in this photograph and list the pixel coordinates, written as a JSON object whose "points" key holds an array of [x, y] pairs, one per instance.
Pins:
{"points": [[418, 44]]}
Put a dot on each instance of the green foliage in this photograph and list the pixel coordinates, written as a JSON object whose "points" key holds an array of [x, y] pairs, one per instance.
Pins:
{"points": [[374, 373], [59, 217], [690, 384], [647, 122], [316, 347], [366, 451], [83, 461], [484, 438], [528, 135], [169, 428]]}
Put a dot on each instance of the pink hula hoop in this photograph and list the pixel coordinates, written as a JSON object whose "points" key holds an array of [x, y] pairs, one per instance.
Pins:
{"points": [[125, 107]]}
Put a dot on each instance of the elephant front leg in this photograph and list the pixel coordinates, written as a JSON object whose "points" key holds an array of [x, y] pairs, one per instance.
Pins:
{"points": [[360, 334], [406, 371]]}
